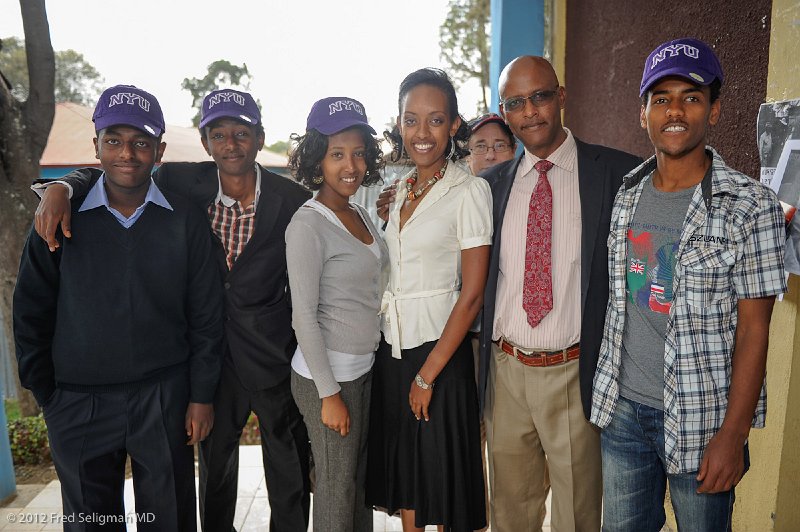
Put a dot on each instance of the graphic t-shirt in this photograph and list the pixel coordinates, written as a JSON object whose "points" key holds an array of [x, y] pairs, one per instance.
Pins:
{"points": [[653, 237]]}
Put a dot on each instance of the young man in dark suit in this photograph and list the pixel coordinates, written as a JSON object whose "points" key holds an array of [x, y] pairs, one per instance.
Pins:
{"points": [[544, 306], [118, 332], [249, 209]]}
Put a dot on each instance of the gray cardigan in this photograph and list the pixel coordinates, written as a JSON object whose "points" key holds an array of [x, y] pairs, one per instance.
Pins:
{"points": [[336, 283]]}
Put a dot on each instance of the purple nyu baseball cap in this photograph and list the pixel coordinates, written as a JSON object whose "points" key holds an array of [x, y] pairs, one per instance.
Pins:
{"points": [[130, 106], [332, 115], [229, 103], [688, 58]]}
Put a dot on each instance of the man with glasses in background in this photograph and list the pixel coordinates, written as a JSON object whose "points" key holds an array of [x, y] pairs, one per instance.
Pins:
{"points": [[491, 142], [544, 308]]}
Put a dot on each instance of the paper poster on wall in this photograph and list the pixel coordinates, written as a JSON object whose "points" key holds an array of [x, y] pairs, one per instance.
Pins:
{"points": [[779, 150]]}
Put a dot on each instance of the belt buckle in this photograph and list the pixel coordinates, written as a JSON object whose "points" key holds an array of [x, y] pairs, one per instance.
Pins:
{"points": [[519, 354]]}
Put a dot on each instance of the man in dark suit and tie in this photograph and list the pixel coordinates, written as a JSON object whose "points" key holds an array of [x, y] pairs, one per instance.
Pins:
{"points": [[248, 208], [544, 308]]}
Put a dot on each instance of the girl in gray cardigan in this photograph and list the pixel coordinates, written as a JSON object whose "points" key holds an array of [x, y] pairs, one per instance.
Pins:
{"points": [[337, 265]]}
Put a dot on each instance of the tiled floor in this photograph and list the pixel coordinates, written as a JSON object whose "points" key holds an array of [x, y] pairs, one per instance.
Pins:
{"points": [[252, 508]]}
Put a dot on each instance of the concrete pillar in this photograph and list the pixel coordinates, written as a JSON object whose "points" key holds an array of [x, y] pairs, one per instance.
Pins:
{"points": [[767, 498]]}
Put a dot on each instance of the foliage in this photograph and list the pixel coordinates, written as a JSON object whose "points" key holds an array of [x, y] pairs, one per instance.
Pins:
{"points": [[15, 67], [281, 147], [12, 409], [76, 80], [29, 444], [464, 40], [250, 433], [220, 74]]}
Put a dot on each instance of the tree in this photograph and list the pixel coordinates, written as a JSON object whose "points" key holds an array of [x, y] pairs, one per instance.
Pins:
{"points": [[76, 80], [464, 40], [24, 128], [15, 67], [280, 146], [221, 73]]}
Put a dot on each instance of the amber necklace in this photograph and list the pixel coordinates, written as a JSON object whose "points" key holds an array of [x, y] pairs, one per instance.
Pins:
{"points": [[413, 195]]}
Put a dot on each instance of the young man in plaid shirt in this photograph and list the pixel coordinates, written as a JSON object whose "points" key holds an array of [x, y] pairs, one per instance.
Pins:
{"points": [[695, 262]]}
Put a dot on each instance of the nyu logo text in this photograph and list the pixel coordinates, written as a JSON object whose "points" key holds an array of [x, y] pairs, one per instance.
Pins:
{"points": [[349, 105], [225, 97], [129, 98], [673, 50]]}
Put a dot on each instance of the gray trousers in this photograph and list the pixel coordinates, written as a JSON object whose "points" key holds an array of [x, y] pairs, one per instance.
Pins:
{"points": [[340, 462]]}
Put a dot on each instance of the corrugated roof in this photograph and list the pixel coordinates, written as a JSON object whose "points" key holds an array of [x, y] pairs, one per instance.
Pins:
{"points": [[70, 142]]}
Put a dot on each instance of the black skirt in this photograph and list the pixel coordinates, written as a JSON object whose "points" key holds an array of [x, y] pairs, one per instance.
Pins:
{"points": [[433, 467]]}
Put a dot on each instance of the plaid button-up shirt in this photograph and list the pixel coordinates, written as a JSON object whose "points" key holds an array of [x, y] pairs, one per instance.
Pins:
{"points": [[731, 248], [233, 224]]}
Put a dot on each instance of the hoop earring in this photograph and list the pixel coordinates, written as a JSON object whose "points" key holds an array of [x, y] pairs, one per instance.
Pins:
{"points": [[452, 149], [317, 179]]}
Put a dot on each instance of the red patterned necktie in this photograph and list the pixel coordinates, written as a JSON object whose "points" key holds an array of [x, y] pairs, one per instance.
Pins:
{"points": [[537, 286]]}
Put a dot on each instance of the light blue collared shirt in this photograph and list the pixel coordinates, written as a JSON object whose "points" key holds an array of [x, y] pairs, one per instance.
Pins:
{"points": [[97, 197]]}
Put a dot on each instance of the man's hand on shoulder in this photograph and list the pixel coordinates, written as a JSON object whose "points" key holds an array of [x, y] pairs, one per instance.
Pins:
{"points": [[54, 209], [199, 422]]}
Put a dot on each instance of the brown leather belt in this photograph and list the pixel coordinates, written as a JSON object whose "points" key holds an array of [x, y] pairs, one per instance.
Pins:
{"points": [[540, 358]]}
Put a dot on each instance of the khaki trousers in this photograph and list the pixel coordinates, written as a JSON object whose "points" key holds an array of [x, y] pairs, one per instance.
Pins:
{"points": [[539, 438]]}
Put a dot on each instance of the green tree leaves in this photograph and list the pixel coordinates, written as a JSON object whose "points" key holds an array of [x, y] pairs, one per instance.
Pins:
{"points": [[221, 73], [464, 39], [77, 81]]}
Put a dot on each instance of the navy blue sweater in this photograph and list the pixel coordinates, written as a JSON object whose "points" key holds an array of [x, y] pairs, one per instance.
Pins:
{"points": [[115, 308]]}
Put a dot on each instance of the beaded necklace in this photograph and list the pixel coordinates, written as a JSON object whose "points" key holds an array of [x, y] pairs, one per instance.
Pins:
{"points": [[412, 195]]}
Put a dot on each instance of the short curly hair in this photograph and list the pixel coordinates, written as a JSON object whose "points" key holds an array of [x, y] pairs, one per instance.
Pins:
{"points": [[433, 77], [309, 150]]}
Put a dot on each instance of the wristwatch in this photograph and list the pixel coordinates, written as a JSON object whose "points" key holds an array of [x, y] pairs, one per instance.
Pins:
{"points": [[421, 382]]}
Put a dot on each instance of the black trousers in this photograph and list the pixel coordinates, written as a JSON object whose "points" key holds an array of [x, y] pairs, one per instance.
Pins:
{"points": [[284, 447], [90, 436]]}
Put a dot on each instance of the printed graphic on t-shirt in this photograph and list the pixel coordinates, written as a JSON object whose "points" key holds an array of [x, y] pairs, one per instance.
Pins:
{"points": [[651, 266]]}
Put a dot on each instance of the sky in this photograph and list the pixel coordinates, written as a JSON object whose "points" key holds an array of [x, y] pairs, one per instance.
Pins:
{"points": [[297, 51]]}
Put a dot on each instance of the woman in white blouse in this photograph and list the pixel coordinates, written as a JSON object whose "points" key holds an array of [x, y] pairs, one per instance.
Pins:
{"points": [[337, 262], [424, 449]]}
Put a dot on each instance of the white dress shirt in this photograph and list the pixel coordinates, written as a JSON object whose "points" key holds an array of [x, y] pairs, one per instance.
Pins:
{"points": [[425, 256], [562, 326]]}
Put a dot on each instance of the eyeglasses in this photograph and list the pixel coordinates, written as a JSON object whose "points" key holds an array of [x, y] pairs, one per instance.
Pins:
{"points": [[482, 149], [538, 99]]}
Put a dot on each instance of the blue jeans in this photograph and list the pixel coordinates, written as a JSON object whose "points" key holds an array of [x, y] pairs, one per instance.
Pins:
{"points": [[635, 478]]}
